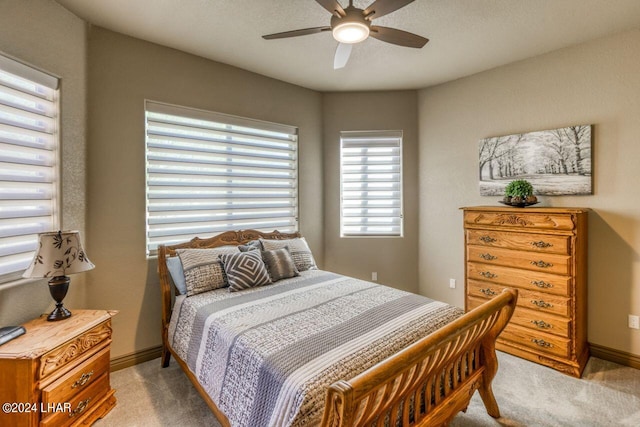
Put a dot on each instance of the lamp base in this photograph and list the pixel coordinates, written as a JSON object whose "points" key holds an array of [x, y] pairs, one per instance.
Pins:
{"points": [[58, 313], [58, 287]]}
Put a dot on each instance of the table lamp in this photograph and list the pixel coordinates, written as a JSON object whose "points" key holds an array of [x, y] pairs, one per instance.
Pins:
{"points": [[59, 253]]}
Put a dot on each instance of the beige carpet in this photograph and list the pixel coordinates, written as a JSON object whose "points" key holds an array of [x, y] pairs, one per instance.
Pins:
{"points": [[528, 394]]}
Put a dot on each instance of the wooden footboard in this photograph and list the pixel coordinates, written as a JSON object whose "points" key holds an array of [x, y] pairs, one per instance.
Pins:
{"points": [[428, 383]]}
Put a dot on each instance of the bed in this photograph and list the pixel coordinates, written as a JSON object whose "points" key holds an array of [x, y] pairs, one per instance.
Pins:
{"points": [[324, 349]]}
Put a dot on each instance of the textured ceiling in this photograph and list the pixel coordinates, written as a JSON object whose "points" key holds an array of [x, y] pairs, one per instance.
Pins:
{"points": [[466, 36]]}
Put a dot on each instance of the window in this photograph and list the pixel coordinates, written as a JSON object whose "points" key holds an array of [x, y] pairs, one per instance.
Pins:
{"points": [[210, 172], [371, 184], [28, 163]]}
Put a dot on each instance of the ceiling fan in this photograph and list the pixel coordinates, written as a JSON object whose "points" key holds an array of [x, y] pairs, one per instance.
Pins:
{"points": [[352, 25]]}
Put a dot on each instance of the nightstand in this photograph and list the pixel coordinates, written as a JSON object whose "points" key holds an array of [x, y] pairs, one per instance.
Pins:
{"points": [[57, 373]]}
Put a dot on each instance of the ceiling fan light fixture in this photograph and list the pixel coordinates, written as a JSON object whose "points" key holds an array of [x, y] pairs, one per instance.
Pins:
{"points": [[350, 32]]}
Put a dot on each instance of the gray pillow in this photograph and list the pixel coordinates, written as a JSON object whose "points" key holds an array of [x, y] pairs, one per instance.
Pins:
{"points": [[298, 248], [244, 270], [202, 269], [280, 264], [251, 246], [177, 274]]}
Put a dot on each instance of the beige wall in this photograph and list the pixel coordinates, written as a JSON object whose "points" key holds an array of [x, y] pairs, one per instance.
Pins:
{"points": [[596, 82], [46, 36], [123, 72], [394, 259]]}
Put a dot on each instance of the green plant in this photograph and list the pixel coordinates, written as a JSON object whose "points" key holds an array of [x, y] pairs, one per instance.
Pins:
{"points": [[519, 188]]}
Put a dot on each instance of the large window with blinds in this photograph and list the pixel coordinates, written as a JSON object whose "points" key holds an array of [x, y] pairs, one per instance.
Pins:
{"points": [[28, 163], [210, 172], [371, 184]]}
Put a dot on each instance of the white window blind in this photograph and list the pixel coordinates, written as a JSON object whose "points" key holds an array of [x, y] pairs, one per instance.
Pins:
{"points": [[28, 163], [371, 183], [209, 172]]}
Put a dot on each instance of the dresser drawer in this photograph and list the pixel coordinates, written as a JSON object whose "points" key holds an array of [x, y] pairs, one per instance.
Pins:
{"points": [[515, 220], [78, 379], [59, 359], [535, 301], [548, 263], [81, 403], [514, 240], [542, 342], [531, 319], [532, 280]]}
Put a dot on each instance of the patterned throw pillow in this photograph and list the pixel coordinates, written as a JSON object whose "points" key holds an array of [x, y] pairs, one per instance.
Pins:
{"points": [[299, 249], [245, 270], [202, 269], [280, 264]]}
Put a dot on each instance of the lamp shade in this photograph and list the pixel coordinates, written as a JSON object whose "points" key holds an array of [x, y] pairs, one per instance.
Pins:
{"points": [[59, 253]]}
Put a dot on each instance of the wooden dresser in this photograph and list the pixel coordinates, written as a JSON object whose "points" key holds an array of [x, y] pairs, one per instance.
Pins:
{"points": [[57, 373], [543, 253]]}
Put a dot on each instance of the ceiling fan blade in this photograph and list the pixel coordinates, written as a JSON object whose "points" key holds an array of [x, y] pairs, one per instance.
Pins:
{"points": [[343, 51], [296, 33], [332, 6], [399, 37], [382, 7]]}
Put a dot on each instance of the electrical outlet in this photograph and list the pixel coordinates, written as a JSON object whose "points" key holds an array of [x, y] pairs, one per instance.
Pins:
{"points": [[452, 283], [634, 321], [374, 276]]}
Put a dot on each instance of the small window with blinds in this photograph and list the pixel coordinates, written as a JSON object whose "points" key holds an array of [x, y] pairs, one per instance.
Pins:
{"points": [[28, 163], [210, 172], [371, 184]]}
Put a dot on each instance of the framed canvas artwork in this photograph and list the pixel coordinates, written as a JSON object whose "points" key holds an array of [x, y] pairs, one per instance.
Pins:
{"points": [[556, 162]]}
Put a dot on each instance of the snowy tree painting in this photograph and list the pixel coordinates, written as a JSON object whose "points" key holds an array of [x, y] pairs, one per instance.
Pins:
{"points": [[555, 162]]}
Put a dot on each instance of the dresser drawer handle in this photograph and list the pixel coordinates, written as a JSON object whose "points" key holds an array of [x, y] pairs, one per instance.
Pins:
{"points": [[541, 324], [541, 303], [541, 343], [488, 292], [487, 239], [541, 244], [80, 408], [488, 257], [541, 284], [541, 264], [84, 378], [488, 274]]}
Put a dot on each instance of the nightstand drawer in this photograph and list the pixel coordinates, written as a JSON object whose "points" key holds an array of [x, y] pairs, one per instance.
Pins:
{"points": [[81, 403], [57, 359], [78, 379]]}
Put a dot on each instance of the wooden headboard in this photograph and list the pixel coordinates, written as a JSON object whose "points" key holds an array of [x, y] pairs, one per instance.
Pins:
{"points": [[165, 251]]}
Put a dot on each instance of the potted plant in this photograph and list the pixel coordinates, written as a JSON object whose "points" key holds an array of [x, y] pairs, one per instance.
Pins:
{"points": [[519, 193]]}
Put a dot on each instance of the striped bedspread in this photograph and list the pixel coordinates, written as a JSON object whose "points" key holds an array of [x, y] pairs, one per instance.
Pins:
{"points": [[267, 355]]}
